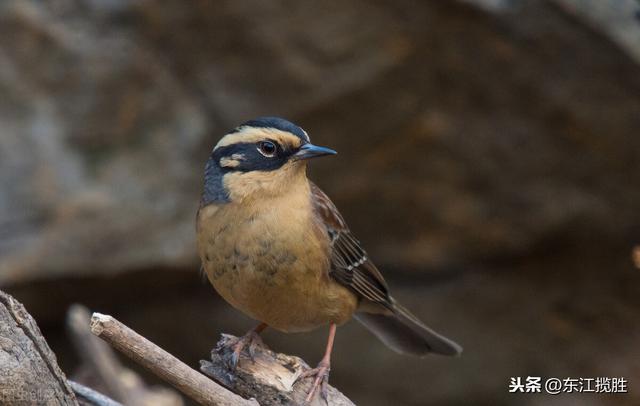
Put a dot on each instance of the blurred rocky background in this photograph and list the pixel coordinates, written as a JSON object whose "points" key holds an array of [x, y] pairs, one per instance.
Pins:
{"points": [[489, 159]]}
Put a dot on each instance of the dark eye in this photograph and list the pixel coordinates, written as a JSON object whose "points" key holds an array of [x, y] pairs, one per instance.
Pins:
{"points": [[267, 148]]}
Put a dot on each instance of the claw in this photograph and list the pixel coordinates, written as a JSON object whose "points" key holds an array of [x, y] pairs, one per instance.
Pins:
{"points": [[234, 360], [320, 383], [324, 389], [251, 340], [254, 343]]}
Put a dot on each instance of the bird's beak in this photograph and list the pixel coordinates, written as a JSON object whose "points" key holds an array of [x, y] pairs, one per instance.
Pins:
{"points": [[308, 151]]}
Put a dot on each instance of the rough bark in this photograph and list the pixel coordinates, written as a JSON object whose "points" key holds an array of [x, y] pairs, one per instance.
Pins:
{"points": [[269, 377], [29, 372]]}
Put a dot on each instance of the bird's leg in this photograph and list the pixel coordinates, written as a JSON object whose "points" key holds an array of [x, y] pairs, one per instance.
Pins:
{"points": [[252, 339], [321, 372]]}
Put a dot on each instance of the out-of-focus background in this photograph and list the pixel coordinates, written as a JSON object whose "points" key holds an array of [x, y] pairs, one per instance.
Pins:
{"points": [[489, 160]]}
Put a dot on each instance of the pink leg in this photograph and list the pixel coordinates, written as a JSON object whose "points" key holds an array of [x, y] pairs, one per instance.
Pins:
{"points": [[321, 372]]}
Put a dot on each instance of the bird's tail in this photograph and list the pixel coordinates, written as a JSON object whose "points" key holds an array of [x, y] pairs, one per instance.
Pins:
{"points": [[403, 332]]}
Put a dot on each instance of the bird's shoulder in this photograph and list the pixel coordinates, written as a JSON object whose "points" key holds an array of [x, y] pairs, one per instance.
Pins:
{"points": [[350, 263]]}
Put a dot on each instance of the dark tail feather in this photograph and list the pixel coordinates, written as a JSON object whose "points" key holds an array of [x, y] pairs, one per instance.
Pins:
{"points": [[403, 332]]}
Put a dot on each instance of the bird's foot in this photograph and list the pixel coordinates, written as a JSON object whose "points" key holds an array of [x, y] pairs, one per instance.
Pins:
{"points": [[251, 341], [320, 381]]}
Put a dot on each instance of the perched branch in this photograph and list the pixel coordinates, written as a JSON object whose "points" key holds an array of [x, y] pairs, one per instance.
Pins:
{"points": [[269, 377], [190, 382]]}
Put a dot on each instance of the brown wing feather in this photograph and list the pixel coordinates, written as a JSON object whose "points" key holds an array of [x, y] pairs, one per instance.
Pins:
{"points": [[350, 264]]}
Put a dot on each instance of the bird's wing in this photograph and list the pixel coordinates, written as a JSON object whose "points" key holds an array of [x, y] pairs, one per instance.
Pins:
{"points": [[351, 267], [350, 264]]}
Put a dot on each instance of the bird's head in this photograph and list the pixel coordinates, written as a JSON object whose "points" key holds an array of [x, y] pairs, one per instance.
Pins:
{"points": [[262, 157]]}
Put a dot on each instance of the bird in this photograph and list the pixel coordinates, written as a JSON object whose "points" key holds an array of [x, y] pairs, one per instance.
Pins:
{"points": [[276, 248]]}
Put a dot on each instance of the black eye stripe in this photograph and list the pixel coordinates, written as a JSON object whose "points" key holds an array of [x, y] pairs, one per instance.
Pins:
{"points": [[252, 158]]}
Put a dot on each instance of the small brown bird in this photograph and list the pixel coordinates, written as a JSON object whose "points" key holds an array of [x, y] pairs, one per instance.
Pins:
{"points": [[276, 248]]}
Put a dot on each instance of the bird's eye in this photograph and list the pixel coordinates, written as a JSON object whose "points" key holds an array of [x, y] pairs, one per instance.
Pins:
{"points": [[267, 148]]}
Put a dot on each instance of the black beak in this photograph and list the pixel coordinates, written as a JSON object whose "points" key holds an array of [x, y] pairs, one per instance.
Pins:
{"points": [[308, 151]]}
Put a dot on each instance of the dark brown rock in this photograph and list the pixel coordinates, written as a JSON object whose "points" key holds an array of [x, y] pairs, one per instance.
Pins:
{"points": [[468, 135]]}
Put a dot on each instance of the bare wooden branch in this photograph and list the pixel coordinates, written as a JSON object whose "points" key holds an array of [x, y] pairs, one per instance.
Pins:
{"points": [[190, 382], [270, 377], [101, 368], [29, 372], [95, 353]]}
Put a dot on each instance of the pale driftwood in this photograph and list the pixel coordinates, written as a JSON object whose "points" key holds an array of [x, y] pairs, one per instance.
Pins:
{"points": [[99, 364], [188, 381], [29, 372], [269, 377]]}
